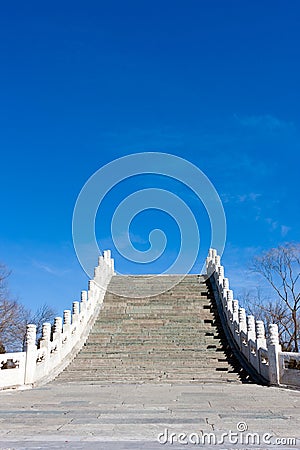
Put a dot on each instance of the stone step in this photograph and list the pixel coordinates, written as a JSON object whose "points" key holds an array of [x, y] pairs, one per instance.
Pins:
{"points": [[151, 342], [150, 352], [173, 337], [136, 366], [144, 377]]}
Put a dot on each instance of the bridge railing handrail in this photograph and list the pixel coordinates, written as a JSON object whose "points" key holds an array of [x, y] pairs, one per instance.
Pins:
{"points": [[60, 341], [265, 356]]}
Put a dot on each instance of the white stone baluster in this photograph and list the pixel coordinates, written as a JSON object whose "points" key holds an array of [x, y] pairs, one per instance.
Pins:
{"points": [[261, 341], [83, 302], [46, 334], [67, 321], [75, 312], [217, 261], [224, 290], [242, 320], [243, 331], [31, 354], [273, 349], [235, 311], [235, 319], [251, 328], [57, 331], [221, 274], [225, 283], [251, 338]]}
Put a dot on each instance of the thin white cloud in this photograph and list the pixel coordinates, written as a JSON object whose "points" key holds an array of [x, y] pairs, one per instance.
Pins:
{"points": [[265, 121], [273, 223], [284, 230], [50, 269], [253, 196], [241, 198], [276, 226]]}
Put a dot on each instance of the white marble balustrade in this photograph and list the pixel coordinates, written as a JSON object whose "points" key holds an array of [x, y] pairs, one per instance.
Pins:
{"points": [[60, 341], [248, 334]]}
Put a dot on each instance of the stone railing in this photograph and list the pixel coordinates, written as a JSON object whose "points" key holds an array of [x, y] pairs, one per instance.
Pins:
{"points": [[59, 342], [262, 358]]}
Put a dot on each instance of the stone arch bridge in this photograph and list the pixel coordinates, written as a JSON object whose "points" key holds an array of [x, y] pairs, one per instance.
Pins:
{"points": [[151, 360]]}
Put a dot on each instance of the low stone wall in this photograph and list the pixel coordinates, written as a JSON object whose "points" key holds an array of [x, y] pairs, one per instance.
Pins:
{"points": [[264, 358], [61, 341]]}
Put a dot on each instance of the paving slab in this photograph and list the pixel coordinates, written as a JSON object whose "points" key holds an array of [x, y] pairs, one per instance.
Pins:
{"points": [[132, 416]]}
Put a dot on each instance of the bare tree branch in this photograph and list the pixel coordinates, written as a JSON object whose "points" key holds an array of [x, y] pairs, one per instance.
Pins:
{"points": [[14, 318], [280, 268]]}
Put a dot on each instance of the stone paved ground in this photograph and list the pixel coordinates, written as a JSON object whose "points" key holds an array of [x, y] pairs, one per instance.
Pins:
{"points": [[130, 416]]}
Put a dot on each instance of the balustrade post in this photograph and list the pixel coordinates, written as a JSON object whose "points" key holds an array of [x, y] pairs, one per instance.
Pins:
{"points": [[75, 312], [31, 354], [229, 300], [251, 328], [273, 352], [251, 339], [242, 328], [217, 261], [242, 320], [57, 332], [221, 274], [83, 302], [46, 334], [261, 341], [67, 321], [235, 317]]}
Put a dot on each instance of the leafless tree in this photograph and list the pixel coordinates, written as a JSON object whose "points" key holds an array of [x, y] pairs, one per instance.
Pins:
{"points": [[8, 310], [14, 318], [270, 311], [280, 267]]}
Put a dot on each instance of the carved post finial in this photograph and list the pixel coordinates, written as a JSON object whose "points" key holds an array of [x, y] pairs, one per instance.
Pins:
{"points": [[235, 314], [251, 328], [230, 295], [75, 308], [46, 334], [30, 334], [260, 335], [67, 317], [83, 296], [75, 312], [46, 331], [57, 327], [260, 329], [242, 320], [273, 334], [235, 306], [225, 283], [221, 271], [107, 254]]}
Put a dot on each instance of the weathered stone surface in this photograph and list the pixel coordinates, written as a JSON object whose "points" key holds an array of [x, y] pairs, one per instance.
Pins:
{"points": [[150, 365], [174, 336], [130, 416]]}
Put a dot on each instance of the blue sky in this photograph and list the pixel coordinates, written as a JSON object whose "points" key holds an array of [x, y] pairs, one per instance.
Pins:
{"points": [[84, 83]]}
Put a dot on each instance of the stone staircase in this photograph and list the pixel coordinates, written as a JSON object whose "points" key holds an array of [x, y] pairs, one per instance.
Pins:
{"points": [[172, 337]]}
